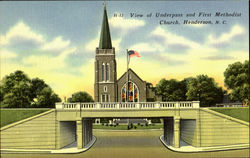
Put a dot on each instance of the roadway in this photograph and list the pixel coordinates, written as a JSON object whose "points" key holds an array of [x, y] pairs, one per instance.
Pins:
{"points": [[129, 144]]}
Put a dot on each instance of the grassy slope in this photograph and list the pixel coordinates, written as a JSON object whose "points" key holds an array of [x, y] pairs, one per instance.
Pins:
{"points": [[239, 113], [9, 116]]}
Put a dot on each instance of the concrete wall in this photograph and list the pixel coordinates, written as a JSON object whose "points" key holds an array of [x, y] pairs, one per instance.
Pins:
{"points": [[218, 129], [188, 131], [169, 130], [66, 134], [84, 132], [37, 132]]}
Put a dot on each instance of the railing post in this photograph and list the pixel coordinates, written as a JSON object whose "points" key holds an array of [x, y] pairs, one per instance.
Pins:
{"points": [[78, 106], [177, 105], [157, 105], [138, 106], [98, 106], [59, 106], [196, 104], [177, 108], [117, 106]]}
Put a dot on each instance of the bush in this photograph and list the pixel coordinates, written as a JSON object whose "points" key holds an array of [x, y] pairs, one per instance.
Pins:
{"points": [[135, 127], [146, 124], [128, 127], [138, 124], [155, 120]]}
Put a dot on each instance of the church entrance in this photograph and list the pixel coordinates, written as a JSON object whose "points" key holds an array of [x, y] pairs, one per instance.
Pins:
{"points": [[130, 94]]}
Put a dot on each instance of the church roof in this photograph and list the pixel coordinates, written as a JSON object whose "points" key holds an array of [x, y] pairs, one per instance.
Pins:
{"points": [[130, 71], [105, 39]]}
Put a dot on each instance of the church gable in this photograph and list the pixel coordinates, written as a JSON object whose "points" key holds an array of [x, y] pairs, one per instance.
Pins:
{"points": [[136, 80]]}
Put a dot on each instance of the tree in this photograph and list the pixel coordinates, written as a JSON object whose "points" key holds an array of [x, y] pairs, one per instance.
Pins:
{"points": [[237, 79], [171, 90], [46, 98], [37, 85], [204, 89], [18, 91], [80, 97], [15, 90]]}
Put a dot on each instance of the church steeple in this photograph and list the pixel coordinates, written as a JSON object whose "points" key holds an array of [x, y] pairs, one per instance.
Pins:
{"points": [[105, 39]]}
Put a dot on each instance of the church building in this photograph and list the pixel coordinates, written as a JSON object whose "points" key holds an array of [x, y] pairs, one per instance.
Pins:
{"points": [[107, 87]]}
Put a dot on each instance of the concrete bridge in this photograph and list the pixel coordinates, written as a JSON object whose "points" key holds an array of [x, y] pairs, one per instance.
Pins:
{"points": [[83, 113], [70, 122]]}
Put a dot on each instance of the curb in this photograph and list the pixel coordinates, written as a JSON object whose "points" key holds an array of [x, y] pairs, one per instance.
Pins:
{"points": [[191, 149], [118, 130], [59, 151]]}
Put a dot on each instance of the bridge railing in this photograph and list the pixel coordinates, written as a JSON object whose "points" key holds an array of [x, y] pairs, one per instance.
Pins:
{"points": [[128, 105]]}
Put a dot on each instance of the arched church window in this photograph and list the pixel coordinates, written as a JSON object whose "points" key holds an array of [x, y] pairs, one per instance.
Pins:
{"points": [[107, 72], [133, 92], [102, 71]]}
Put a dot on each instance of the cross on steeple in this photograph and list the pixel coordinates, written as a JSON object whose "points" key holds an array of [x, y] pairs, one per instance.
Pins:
{"points": [[104, 3]]}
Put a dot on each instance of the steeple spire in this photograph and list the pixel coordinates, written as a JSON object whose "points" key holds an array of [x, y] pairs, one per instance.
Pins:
{"points": [[105, 39]]}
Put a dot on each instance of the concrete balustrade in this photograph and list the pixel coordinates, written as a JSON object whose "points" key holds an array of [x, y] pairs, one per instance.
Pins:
{"points": [[128, 105]]}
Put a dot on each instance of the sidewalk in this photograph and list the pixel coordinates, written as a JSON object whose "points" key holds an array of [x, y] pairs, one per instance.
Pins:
{"points": [[70, 149], [184, 147]]}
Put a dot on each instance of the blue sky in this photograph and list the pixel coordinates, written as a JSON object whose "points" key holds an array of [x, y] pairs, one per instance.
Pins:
{"points": [[56, 40]]}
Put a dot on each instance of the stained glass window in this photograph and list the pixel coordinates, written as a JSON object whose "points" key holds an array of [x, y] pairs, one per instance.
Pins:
{"points": [[133, 93]]}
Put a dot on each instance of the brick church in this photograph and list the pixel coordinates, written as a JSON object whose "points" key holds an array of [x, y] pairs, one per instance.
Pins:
{"points": [[107, 87]]}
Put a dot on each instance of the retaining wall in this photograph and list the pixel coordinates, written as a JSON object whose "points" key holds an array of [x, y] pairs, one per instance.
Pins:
{"points": [[37, 132], [219, 129]]}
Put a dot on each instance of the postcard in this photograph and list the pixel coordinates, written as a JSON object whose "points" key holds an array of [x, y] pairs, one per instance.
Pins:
{"points": [[124, 78]]}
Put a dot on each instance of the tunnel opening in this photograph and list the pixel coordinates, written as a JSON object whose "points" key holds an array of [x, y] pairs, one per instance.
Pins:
{"points": [[67, 134]]}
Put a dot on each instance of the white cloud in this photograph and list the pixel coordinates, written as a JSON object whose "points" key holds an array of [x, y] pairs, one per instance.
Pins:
{"points": [[58, 44], [48, 63], [171, 39], [225, 38], [125, 25], [21, 32], [6, 54]]}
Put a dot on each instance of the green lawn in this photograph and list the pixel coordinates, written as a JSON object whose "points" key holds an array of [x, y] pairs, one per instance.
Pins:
{"points": [[125, 127], [239, 113], [9, 116]]}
